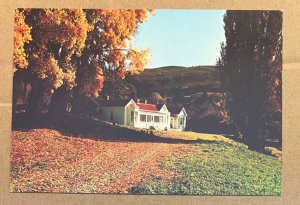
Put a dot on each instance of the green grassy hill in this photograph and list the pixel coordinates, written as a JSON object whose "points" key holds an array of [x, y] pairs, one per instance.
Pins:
{"points": [[174, 80], [216, 168]]}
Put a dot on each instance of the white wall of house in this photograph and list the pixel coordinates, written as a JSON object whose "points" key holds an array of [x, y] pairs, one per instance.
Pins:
{"points": [[130, 116], [174, 123], [179, 121], [156, 120]]}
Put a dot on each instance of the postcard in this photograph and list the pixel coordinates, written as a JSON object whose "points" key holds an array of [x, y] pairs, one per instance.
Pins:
{"points": [[147, 102]]}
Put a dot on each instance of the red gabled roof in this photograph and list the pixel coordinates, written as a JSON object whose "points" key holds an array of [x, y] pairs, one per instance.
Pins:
{"points": [[149, 107]]}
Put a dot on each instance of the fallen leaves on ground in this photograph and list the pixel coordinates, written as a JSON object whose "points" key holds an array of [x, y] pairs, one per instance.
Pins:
{"points": [[44, 160]]}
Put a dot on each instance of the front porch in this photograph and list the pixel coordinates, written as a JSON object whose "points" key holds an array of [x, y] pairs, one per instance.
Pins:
{"points": [[147, 120], [177, 123]]}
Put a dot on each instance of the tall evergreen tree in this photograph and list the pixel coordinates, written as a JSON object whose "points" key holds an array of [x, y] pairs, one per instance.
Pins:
{"points": [[252, 61]]}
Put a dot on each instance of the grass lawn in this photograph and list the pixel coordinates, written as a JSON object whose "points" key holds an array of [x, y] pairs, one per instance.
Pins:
{"points": [[217, 168]]}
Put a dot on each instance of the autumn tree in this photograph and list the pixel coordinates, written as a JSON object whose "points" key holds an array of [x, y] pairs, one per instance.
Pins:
{"points": [[58, 35], [108, 50], [156, 98], [65, 49], [109, 54], [252, 62], [20, 59], [21, 37]]}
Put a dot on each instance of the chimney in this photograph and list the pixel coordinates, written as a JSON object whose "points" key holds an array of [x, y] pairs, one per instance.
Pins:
{"points": [[107, 97]]}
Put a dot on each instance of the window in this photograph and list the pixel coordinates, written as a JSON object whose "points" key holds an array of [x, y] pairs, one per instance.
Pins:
{"points": [[131, 116], [148, 118], [181, 121], [156, 118], [143, 118]]}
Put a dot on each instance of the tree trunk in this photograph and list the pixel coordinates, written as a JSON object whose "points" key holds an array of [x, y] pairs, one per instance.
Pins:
{"points": [[254, 138], [59, 102], [33, 109]]}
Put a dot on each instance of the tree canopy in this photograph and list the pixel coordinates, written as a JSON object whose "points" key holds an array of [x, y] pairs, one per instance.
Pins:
{"points": [[75, 48], [251, 61], [21, 36]]}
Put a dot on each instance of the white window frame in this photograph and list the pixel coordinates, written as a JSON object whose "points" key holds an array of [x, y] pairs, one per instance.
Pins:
{"points": [[143, 116]]}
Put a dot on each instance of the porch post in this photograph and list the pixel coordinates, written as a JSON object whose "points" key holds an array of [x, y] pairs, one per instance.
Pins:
{"points": [[125, 113]]}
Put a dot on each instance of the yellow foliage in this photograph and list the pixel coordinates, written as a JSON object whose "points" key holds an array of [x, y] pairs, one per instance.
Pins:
{"points": [[59, 35], [69, 77], [138, 61], [93, 82], [48, 70], [116, 27], [21, 36], [65, 27]]}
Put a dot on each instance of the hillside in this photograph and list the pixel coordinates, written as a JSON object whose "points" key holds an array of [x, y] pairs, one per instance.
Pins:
{"points": [[176, 80], [198, 89]]}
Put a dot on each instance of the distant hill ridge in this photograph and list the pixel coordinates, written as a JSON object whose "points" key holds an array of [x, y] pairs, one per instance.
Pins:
{"points": [[176, 80]]}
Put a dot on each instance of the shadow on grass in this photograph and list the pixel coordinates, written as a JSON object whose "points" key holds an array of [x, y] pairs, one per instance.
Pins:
{"points": [[80, 127]]}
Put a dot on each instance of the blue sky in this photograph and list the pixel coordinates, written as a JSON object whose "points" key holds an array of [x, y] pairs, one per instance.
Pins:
{"points": [[182, 37]]}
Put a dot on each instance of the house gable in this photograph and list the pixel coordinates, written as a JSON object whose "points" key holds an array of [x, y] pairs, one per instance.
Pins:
{"points": [[164, 109], [131, 104], [183, 112]]}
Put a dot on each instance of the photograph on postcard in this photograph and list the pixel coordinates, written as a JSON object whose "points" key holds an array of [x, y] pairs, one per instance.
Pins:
{"points": [[147, 101]]}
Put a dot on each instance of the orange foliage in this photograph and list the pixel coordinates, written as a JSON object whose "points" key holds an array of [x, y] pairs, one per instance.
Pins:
{"points": [[21, 36], [110, 39], [62, 35], [94, 82], [67, 28], [138, 61]]}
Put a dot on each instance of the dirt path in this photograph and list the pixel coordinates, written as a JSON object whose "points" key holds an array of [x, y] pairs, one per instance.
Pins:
{"points": [[126, 174], [146, 166]]}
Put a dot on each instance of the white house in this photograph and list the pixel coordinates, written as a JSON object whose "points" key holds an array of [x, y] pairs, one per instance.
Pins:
{"points": [[178, 118], [140, 115]]}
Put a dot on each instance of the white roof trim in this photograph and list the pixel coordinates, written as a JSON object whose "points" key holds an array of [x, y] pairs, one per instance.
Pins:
{"points": [[184, 112], [181, 111], [164, 106], [130, 102]]}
